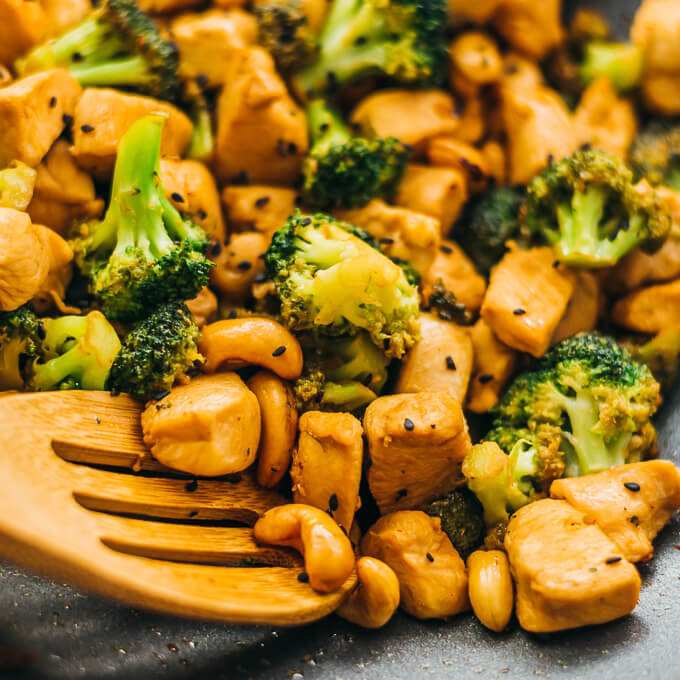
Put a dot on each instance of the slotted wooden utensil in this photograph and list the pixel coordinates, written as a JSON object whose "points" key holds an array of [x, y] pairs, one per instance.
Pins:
{"points": [[83, 501]]}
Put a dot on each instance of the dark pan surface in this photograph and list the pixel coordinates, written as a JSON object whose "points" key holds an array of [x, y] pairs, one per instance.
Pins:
{"points": [[48, 630]]}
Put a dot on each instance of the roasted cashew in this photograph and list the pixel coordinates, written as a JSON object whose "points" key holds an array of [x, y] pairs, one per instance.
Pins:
{"points": [[490, 588], [279, 426], [376, 598], [233, 343], [475, 61], [328, 553]]}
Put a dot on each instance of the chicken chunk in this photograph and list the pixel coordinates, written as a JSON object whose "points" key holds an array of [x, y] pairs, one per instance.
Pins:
{"points": [[326, 468], [649, 310], [203, 306], [438, 192], [476, 62], [656, 31], [494, 365], [521, 73], [24, 259], [583, 310], [402, 233], [103, 116], [413, 117], [630, 503], [258, 207], [237, 264], [449, 152], [59, 273], [32, 114], [261, 131], [527, 298], [416, 443], [454, 270], [23, 24], [208, 427], [192, 189], [464, 12], [539, 127], [63, 14], [441, 361], [568, 573], [209, 41], [432, 575]]}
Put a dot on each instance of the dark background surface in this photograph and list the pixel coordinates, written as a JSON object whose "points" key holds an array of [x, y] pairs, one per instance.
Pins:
{"points": [[48, 630]]}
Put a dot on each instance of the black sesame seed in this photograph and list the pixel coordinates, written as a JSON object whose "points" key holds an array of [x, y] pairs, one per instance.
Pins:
{"points": [[429, 557], [244, 265], [556, 264], [632, 486], [87, 128], [450, 364], [292, 148], [519, 311], [303, 577], [216, 248], [240, 178], [42, 333], [97, 420], [232, 314], [262, 201], [193, 513], [191, 486], [176, 197], [279, 351], [485, 378], [114, 392], [77, 57], [408, 424], [333, 502], [612, 560], [202, 80], [386, 241], [401, 493], [201, 214], [53, 102], [634, 519], [306, 221], [447, 250]]}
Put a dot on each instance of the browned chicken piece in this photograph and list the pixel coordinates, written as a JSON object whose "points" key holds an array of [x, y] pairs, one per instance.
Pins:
{"points": [[649, 310], [314, 10], [237, 264], [496, 161], [438, 192], [63, 14], [473, 123], [567, 572], [261, 131], [630, 503], [203, 306], [258, 207], [24, 260], [413, 117], [191, 187], [454, 270], [432, 576], [521, 73], [416, 443], [656, 31], [32, 112], [527, 298], [452, 153], [638, 268], [476, 61], [326, 469], [63, 192], [52, 291], [604, 120], [464, 11], [23, 24], [494, 365], [583, 310], [103, 116], [402, 233], [208, 42], [539, 127], [441, 361], [531, 27], [208, 427]]}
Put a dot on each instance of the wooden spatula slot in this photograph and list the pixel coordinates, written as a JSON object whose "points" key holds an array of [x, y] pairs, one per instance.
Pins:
{"points": [[133, 461]]}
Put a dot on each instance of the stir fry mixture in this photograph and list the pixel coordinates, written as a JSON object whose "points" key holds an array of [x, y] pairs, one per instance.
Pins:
{"points": [[416, 263]]}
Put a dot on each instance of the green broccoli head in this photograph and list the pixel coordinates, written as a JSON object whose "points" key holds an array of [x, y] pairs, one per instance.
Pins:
{"points": [[117, 45], [462, 517], [157, 352], [655, 154], [143, 253], [20, 337], [487, 223], [401, 39], [331, 279], [446, 305], [661, 355], [587, 207], [340, 374], [586, 398], [620, 62], [76, 353], [342, 171], [285, 33]]}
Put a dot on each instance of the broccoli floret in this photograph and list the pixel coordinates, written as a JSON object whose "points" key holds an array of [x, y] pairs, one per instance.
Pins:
{"points": [[157, 352], [462, 517], [16, 185], [117, 45], [401, 39], [143, 253], [330, 280], [342, 171], [655, 154], [586, 398], [20, 337], [487, 223], [620, 62], [661, 355], [284, 31], [202, 144], [76, 353], [340, 374], [589, 210]]}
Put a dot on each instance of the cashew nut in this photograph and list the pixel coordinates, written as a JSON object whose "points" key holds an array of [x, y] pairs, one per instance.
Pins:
{"points": [[328, 553], [279, 426], [375, 600], [490, 588], [233, 343]]}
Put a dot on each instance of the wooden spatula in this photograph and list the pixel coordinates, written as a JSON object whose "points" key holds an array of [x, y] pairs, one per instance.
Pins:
{"points": [[83, 501]]}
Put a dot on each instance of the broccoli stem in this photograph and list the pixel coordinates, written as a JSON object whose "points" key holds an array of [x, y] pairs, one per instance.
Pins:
{"points": [[127, 71], [620, 62], [326, 128], [349, 396], [202, 144]]}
